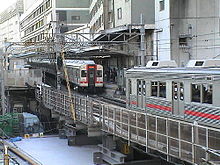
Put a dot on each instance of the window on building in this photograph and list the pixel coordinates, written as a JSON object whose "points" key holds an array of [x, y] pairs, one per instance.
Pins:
{"points": [[109, 16], [162, 5], [75, 18], [119, 11], [183, 41]]}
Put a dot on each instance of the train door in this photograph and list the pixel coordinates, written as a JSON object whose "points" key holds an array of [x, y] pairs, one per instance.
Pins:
{"points": [[91, 75], [178, 98], [141, 93]]}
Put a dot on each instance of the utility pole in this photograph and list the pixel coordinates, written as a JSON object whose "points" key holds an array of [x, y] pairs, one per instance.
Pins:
{"points": [[3, 68], [6, 156], [60, 59], [58, 51], [143, 45]]}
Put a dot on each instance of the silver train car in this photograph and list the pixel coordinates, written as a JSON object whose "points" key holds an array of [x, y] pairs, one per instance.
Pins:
{"points": [[189, 94], [85, 73]]}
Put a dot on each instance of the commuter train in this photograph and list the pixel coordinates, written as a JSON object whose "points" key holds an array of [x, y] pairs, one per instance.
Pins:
{"points": [[189, 94], [84, 75]]}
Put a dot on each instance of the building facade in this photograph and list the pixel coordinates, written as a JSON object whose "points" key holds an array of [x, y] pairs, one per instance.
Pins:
{"points": [[125, 16], [9, 23], [107, 14], [40, 18], [187, 30]]}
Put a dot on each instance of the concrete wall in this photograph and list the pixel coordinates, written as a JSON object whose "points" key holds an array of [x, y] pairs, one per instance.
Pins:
{"points": [[72, 3], [126, 12], [199, 18], [147, 8], [193, 22], [162, 24]]}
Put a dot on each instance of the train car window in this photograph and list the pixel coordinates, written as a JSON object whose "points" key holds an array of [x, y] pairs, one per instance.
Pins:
{"points": [[130, 87], [207, 93], [196, 92], [181, 91], [83, 73], [144, 88], [139, 87], [98, 73], [175, 90], [154, 88], [162, 89]]}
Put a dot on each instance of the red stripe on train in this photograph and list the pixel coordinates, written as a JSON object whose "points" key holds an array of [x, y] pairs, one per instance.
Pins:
{"points": [[201, 114], [160, 107], [134, 102]]}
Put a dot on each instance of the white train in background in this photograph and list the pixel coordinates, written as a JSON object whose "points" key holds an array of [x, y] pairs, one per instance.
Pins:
{"points": [[85, 75]]}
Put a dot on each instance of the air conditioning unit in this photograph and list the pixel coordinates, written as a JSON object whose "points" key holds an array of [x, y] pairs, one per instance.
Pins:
{"points": [[210, 63], [161, 64]]}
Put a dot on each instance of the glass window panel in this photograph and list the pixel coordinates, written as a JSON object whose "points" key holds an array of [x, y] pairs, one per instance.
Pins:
{"points": [[130, 86], [154, 88], [162, 89], [83, 73], [139, 87], [181, 91], [162, 5], [99, 73], [207, 93], [144, 88], [196, 92]]}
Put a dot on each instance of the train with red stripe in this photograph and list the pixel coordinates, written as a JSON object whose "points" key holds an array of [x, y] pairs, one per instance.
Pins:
{"points": [[85, 74], [190, 93]]}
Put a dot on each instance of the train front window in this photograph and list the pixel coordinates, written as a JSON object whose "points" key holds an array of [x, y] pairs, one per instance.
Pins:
{"points": [[207, 94], [98, 73], [196, 92], [84, 73]]}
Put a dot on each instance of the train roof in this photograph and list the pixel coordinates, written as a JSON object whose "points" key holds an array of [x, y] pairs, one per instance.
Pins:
{"points": [[78, 62], [176, 70], [174, 73]]}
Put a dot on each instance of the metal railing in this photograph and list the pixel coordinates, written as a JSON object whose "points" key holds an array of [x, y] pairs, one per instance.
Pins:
{"points": [[172, 137]]}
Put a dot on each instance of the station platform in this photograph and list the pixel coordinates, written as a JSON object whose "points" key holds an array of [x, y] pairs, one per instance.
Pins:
{"points": [[112, 90], [54, 151]]}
